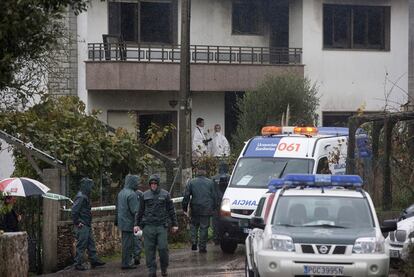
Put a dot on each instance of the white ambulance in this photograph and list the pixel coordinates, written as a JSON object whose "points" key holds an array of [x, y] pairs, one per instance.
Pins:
{"points": [[277, 152]]}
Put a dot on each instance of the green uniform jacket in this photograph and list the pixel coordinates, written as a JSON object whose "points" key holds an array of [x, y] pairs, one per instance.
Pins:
{"points": [[220, 182], [156, 208], [204, 196], [81, 210], [128, 204]]}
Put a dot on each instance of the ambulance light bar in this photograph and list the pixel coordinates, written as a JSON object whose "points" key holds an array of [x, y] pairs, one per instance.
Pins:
{"points": [[333, 131], [277, 130], [305, 130], [315, 180], [271, 130]]}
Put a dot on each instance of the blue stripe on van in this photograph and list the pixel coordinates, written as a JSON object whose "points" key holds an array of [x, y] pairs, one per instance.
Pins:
{"points": [[262, 147]]}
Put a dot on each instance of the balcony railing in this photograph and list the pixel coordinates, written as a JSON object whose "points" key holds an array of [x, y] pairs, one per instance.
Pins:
{"points": [[198, 54]]}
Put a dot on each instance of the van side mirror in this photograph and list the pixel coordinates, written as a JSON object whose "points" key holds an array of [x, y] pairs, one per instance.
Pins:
{"points": [[257, 222], [389, 225]]}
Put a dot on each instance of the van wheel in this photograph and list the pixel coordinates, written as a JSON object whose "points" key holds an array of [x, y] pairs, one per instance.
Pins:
{"points": [[228, 246], [248, 272]]}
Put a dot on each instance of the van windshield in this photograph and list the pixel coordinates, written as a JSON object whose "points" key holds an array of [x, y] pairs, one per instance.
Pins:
{"points": [[256, 172]]}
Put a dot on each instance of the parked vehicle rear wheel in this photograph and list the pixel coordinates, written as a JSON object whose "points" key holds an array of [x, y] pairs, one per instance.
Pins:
{"points": [[228, 246]]}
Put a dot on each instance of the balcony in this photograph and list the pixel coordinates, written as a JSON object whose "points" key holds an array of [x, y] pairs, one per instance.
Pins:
{"points": [[122, 66]]}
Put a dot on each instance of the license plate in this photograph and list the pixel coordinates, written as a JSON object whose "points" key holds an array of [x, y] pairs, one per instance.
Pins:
{"points": [[323, 270], [394, 254], [246, 230]]}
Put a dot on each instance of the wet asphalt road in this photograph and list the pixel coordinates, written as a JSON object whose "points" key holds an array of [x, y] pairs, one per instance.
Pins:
{"points": [[183, 262]]}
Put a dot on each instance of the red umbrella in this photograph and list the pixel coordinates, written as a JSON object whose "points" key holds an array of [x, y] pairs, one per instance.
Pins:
{"points": [[22, 187]]}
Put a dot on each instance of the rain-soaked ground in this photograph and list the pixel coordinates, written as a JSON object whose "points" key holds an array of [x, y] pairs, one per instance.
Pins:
{"points": [[183, 262]]}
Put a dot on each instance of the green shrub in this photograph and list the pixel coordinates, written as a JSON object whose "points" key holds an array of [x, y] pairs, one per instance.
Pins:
{"points": [[62, 128], [269, 102]]}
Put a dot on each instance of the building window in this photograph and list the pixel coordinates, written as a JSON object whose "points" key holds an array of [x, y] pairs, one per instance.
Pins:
{"points": [[142, 21], [340, 119], [356, 27], [168, 144], [247, 17], [336, 119]]}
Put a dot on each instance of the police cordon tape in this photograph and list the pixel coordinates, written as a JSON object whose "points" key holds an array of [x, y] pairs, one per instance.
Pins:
{"points": [[113, 207]]}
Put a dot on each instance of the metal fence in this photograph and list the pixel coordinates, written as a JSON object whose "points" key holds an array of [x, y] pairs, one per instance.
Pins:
{"points": [[198, 54]]}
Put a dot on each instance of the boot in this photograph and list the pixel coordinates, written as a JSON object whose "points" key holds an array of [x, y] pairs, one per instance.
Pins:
{"points": [[97, 263], [80, 267]]}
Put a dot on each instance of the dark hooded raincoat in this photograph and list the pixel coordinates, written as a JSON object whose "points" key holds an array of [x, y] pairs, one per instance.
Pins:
{"points": [[128, 204]]}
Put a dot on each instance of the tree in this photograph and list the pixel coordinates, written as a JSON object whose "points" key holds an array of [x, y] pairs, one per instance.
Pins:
{"points": [[29, 30], [60, 127], [269, 101]]}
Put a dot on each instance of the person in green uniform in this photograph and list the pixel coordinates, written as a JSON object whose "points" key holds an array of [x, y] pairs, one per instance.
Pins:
{"points": [[220, 181], [203, 204], [156, 215], [82, 219], [127, 208]]}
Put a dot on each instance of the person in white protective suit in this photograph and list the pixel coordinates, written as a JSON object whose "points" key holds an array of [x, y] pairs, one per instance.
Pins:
{"points": [[200, 141], [219, 146]]}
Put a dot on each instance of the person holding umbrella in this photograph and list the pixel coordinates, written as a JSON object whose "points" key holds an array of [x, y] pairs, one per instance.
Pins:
{"points": [[82, 219], [10, 220], [22, 187]]}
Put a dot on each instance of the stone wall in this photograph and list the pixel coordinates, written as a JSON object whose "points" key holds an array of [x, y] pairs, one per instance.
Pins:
{"points": [[106, 234], [65, 244], [14, 259], [63, 75]]}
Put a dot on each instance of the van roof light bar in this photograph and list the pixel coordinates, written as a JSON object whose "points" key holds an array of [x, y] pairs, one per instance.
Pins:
{"points": [[275, 184], [346, 181]]}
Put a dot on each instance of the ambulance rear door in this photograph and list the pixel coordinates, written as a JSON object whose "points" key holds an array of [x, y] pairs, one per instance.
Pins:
{"points": [[330, 155]]}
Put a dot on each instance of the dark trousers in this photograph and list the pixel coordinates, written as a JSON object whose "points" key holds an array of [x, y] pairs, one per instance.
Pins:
{"points": [[200, 224], [84, 241], [127, 248], [155, 237]]}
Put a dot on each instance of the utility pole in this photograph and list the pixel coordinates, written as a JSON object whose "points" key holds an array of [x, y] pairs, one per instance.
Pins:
{"points": [[410, 103], [185, 95], [411, 53]]}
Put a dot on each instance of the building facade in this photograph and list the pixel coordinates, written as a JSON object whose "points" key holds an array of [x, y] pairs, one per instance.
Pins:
{"points": [[129, 53]]}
